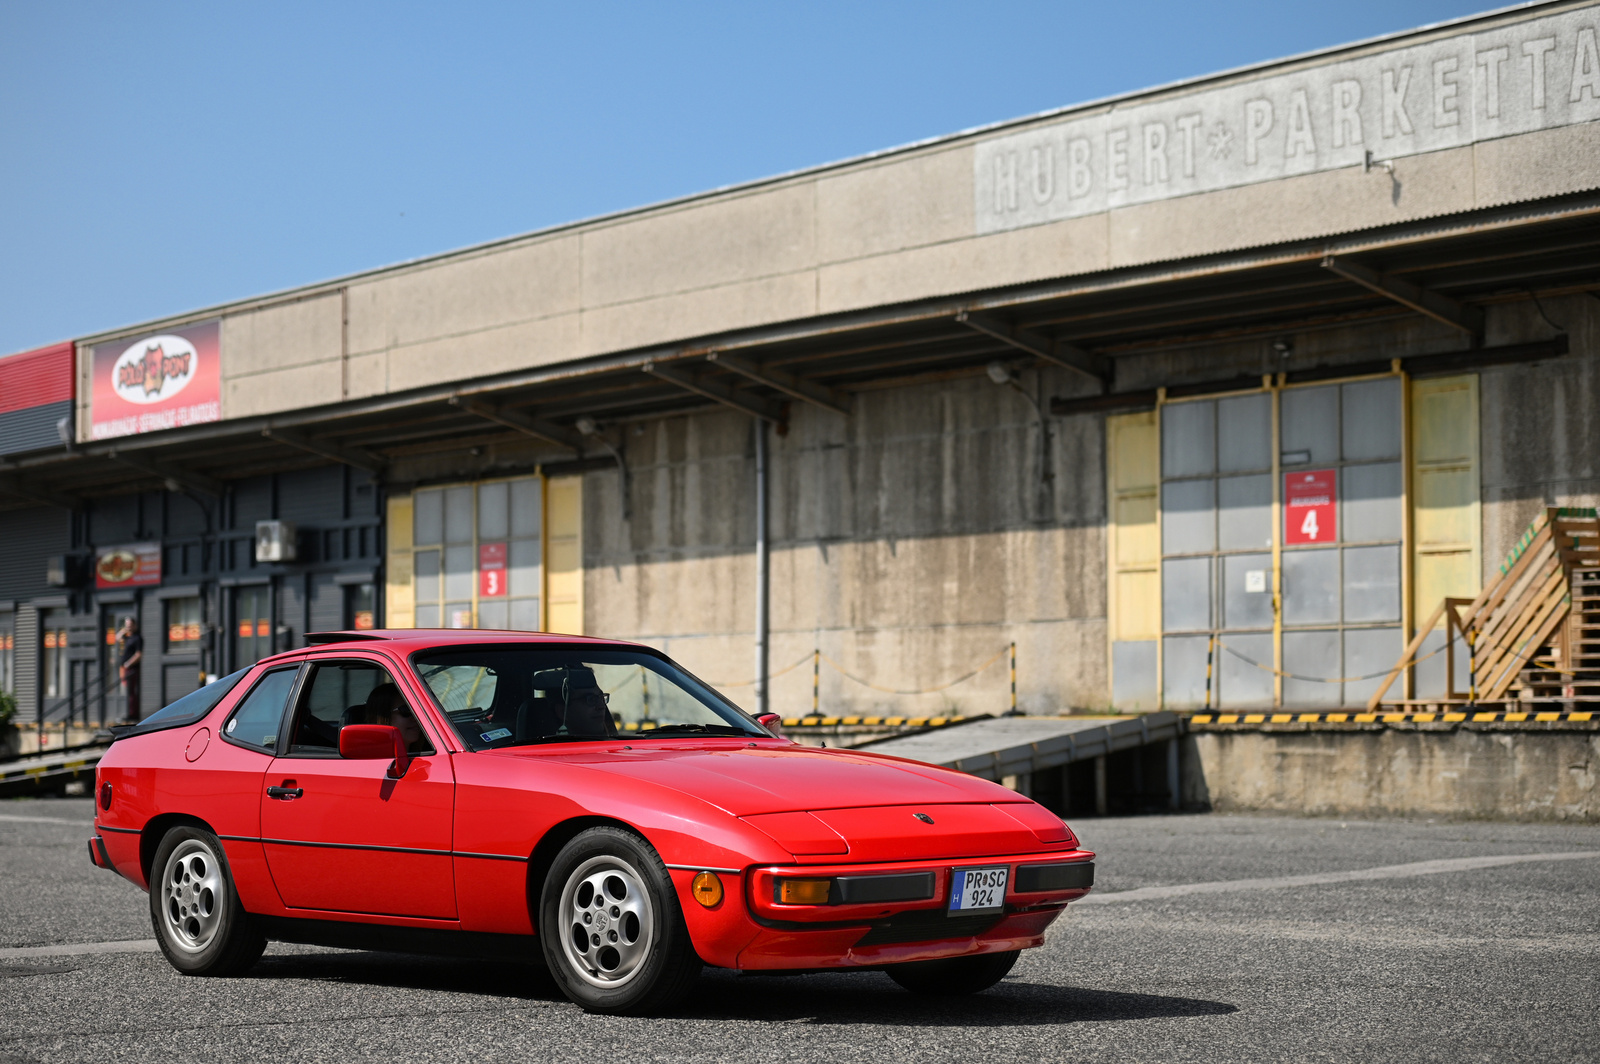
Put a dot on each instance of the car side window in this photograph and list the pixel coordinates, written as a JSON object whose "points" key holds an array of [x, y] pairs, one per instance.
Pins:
{"points": [[256, 720], [341, 693]]}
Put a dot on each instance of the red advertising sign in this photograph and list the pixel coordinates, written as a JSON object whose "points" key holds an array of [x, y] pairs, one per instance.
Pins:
{"points": [[491, 570], [156, 382], [133, 565], [1309, 515]]}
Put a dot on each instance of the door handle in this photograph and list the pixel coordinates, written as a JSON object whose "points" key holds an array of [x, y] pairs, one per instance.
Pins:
{"points": [[285, 793]]}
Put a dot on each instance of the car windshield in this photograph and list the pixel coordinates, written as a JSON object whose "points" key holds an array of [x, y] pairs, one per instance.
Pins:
{"points": [[498, 696]]}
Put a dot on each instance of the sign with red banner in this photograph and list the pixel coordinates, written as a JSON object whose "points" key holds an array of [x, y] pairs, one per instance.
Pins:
{"points": [[491, 570], [132, 565], [1309, 514], [156, 382]]}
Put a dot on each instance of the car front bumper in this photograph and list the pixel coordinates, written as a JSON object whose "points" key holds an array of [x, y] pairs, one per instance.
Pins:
{"points": [[746, 931]]}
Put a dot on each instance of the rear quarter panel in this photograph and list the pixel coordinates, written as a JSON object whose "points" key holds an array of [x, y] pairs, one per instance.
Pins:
{"points": [[152, 777]]}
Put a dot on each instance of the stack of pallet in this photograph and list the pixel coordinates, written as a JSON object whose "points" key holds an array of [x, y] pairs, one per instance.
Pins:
{"points": [[1534, 632]]}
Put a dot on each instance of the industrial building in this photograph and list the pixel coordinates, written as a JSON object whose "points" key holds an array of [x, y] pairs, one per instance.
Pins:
{"points": [[1204, 395]]}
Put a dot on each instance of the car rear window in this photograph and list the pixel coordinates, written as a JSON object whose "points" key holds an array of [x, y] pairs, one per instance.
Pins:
{"points": [[191, 707], [509, 695]]}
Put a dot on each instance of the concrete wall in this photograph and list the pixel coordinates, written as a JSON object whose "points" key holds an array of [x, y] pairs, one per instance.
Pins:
{"points": [[911, 543], [1540, 423], [1492, 772], [914, 539], [915, 223]]}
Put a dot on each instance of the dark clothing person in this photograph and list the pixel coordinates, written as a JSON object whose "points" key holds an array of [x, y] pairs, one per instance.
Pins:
{"points": [[132, 656]]}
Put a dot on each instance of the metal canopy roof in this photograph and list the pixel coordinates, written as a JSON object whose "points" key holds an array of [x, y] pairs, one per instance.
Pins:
{"points": [[1092, 321]]}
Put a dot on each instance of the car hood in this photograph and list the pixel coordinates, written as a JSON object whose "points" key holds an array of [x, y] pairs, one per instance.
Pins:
{"points": [[749, 780]]}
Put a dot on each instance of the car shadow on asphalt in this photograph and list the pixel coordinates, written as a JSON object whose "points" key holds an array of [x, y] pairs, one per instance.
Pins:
{"points": [[404, 971], [871, 998], [813, 998]]}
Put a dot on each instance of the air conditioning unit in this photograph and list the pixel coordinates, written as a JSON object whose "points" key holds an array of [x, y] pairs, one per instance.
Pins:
{"points": [[275, 541]]}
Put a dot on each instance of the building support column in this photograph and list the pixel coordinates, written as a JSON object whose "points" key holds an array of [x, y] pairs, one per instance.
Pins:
{"points": [[763, 600], [1100, 803], [1174, 781]]}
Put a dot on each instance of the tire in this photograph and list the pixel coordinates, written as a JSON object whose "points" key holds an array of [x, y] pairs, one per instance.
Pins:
{"points": [[954, 976], [195, 910], [611, 927]]}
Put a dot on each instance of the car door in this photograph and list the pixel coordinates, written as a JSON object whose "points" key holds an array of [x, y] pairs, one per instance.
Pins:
{"points": [[342, 836]]}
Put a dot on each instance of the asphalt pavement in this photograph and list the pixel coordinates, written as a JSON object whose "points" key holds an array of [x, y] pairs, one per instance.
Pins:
{"points": [[1225, 938]]}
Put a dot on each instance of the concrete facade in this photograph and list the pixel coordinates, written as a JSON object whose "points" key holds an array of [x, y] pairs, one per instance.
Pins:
{"points": [[1490, 771], [945, 517], [919, 223], [912, 541]]}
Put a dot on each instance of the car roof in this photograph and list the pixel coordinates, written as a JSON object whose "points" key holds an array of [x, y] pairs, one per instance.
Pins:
{"points": [[406, 640]]}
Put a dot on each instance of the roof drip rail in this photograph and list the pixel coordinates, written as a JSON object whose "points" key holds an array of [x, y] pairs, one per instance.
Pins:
{"points": [[314, 639]]}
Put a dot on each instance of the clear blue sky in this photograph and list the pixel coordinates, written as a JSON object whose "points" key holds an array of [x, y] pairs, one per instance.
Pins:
{"points": [[156, 158]]}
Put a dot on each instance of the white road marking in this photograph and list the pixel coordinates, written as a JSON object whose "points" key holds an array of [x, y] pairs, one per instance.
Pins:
{"points": [[1401, 871], [75, 949], [1228, 886], [46, 820]]}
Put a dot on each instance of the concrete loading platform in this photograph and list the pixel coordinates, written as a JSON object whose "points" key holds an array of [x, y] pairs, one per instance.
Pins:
{"points": [[49, 773], [1072, 765]]}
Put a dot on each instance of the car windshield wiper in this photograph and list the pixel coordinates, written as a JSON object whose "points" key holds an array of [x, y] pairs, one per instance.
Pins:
{"points": [[687, 729]]}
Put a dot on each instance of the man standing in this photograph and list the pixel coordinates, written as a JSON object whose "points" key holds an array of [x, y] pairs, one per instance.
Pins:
{"points": [[131, 644]]}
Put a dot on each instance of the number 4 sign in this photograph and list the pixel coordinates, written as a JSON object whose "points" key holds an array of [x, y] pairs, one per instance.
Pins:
{"points": [[1308, 511], [491, 570]]}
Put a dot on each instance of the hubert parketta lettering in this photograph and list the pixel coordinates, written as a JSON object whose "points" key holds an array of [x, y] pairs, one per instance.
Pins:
{"points": [[1518, 77]]}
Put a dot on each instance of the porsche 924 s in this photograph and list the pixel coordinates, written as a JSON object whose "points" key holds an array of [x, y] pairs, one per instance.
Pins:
{"points": [[586, 801]]}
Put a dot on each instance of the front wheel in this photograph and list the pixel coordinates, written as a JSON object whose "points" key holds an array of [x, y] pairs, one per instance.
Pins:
{"points": [[199, 923], [611, 927], [954, 976]]}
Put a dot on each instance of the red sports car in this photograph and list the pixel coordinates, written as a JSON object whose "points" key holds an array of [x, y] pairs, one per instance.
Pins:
{"points": [[507, 794]]}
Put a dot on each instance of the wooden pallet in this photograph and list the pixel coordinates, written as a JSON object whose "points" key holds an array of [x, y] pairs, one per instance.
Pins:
{"points": [[1534, 631]]}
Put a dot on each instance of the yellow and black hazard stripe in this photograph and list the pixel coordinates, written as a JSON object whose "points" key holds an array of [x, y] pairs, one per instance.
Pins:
{"points": [[1462, 716], [833, 722]]}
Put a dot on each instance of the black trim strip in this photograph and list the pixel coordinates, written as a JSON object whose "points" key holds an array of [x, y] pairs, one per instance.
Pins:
{"points": [[120, 831], [704, 868], [379, 849], [356, 846]]}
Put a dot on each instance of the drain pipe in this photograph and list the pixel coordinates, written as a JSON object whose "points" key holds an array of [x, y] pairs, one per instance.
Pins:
{"points": [[762, 567]]}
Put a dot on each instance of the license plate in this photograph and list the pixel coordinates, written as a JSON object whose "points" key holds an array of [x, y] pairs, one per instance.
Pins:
{"points": [[978, 890]]}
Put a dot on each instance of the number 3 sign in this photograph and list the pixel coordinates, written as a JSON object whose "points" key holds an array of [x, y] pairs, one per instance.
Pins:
{"points": [[1308, 512], [491, 570]]}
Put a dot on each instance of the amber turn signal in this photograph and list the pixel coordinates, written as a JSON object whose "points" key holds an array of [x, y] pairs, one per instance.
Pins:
{"points": [[804, 891], [707, 889]]}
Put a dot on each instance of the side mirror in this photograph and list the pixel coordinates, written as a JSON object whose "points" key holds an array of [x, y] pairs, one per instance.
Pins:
{"points": [[375, 742], [772, 722]]}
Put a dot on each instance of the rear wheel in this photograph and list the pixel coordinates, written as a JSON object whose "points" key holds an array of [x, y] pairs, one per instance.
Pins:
{"points": [[611, 927], [199, 923], [954, 976]]}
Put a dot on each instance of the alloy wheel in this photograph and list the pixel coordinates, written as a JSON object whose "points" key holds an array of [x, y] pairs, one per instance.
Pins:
{"points": [[609, 923], [192, 896]]}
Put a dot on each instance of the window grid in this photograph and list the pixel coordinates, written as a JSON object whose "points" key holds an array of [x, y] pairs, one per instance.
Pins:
{"points": [[1222, 514], [460, 532]]}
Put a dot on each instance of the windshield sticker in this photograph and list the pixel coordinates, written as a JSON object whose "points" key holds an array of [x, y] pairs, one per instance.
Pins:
{"points": [[498, 733]]}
